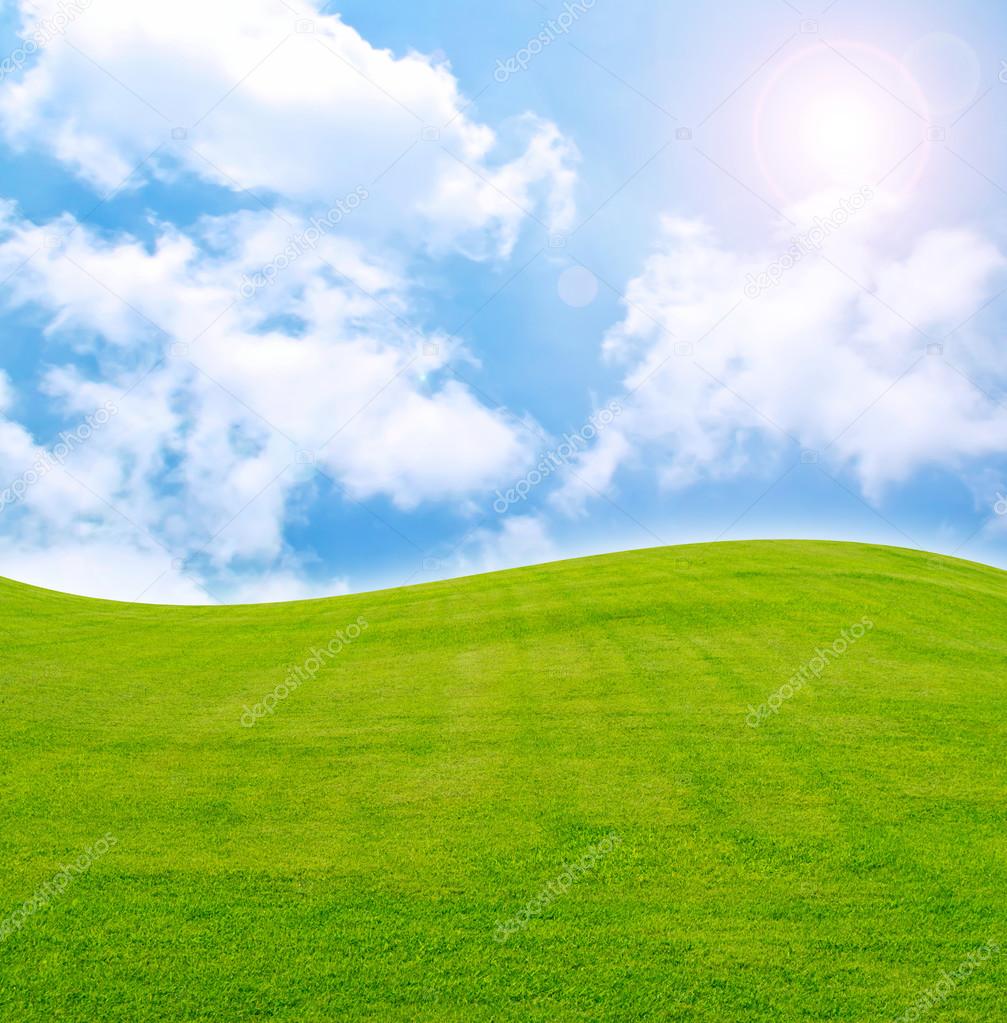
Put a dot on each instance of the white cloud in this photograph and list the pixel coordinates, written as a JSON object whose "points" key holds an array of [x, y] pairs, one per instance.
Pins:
{"points": [[813, 360], [206, 452], [945, 278], [308, 115], [282, 586], [6, 392], [101, 568], [210, 452], [519, 540]]}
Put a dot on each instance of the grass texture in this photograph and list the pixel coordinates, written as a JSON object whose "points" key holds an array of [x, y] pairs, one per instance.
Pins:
{"points": [[541, 795]]}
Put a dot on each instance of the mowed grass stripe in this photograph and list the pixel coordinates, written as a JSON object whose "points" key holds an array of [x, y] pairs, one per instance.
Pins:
{"points": [[351, 855]]}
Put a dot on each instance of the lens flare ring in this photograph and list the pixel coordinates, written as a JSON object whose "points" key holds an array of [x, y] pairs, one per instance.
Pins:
{"points": [[839, 131]]}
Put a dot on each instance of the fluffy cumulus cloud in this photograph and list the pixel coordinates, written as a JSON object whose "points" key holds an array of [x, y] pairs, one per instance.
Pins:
{"points": [[227, 399], [842, 336], [104, 567], [254, 360], [282, 100]]}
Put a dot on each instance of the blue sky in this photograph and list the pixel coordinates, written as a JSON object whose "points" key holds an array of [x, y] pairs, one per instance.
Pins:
{"points": [[334, 297]]}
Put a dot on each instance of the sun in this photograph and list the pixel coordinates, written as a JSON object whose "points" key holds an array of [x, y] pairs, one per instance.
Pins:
{"points": [[844, 115], [843, 133]]}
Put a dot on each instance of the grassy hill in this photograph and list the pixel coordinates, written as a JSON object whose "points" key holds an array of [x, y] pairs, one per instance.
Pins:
{"points": [[581, 791]]}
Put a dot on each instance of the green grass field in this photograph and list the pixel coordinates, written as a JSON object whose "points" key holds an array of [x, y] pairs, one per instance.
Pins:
{"points": [[408, 834]]}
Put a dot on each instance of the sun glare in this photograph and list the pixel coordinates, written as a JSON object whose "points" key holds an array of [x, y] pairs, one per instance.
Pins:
{"points": [[843, 133], [843, 116]]}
